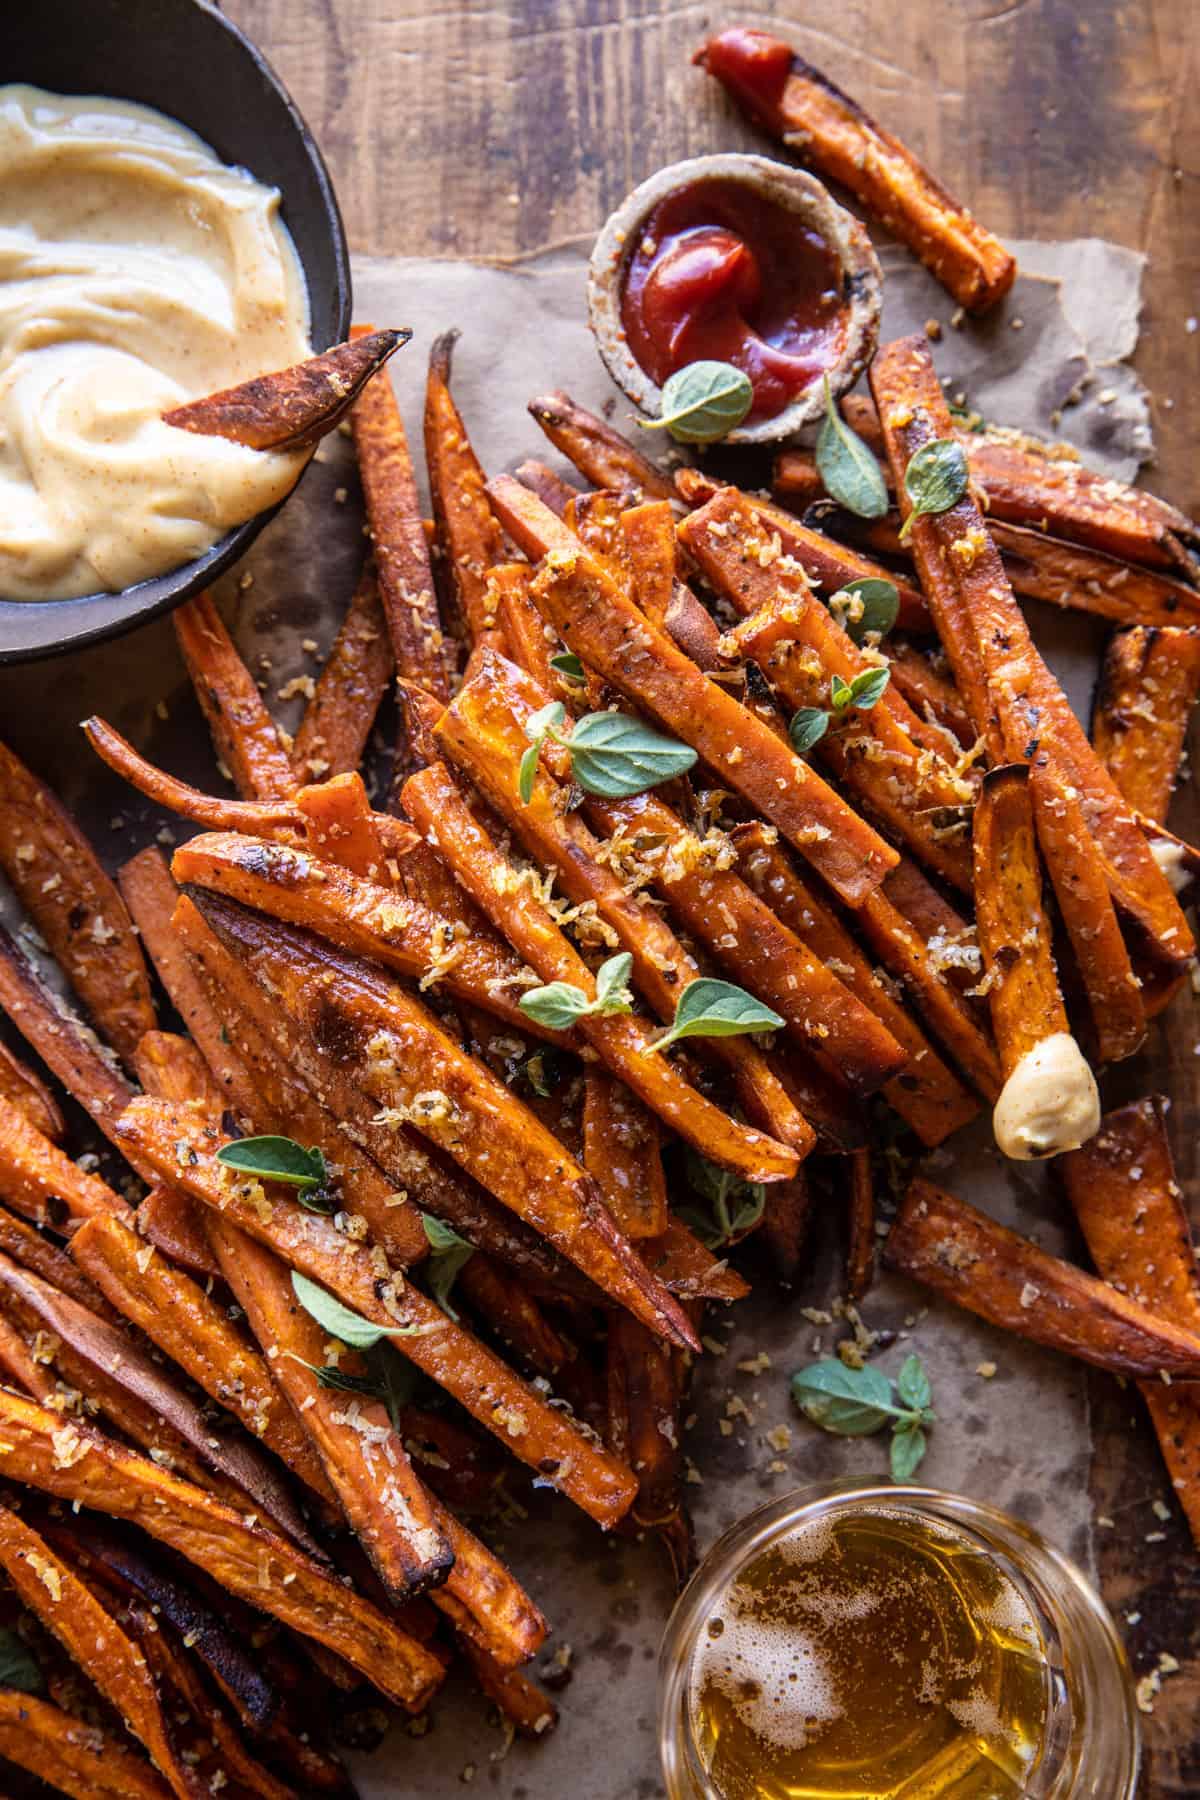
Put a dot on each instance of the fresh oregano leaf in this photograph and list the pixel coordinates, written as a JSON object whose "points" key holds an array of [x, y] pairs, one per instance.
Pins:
{"points": [[807, 728], [935, 480], [912, 1384], [612, 985], [18, 1668], [907, 1450], [568, 665], [868, 688], [711, 1008], [866, 608], [449, 1253], [849, 468], [847, 1402], [540, 725], [560, 1003], [276, 1159], [840, 694], [349, 1328], [388, 1379], [703, 402], [526, 772], [615, 756], [737, 1206]]}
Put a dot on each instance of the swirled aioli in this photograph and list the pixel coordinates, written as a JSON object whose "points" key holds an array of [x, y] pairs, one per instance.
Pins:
{"points": [[136, 272]]}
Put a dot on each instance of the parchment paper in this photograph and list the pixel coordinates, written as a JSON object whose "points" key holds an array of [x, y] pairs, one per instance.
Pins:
{"points": [[1021, 1438]]}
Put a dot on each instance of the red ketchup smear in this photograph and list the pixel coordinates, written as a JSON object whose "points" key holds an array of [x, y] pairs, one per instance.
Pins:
{"points": [[753, 66], [719, 271]]}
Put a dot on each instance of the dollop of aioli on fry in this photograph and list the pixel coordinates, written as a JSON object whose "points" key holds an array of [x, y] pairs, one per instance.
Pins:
{"points": [[1050, 1102]]}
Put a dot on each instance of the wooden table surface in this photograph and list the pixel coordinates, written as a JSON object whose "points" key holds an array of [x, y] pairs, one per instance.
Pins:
{"points": [[495, 127]]}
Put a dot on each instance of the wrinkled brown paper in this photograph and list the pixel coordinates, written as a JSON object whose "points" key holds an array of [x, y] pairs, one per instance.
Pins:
{"points": [[1020, 1438]]}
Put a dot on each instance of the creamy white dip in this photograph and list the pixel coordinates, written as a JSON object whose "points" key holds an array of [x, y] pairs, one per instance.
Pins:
{"points": [[136, 272], [1050, 1102]]}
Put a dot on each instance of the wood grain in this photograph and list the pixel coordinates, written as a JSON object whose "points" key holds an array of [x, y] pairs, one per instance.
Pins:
{"points": [[485, 128]]}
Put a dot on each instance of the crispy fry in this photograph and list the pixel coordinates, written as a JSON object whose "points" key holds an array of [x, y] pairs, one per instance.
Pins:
{"points": [[21, 1369], [491, 1393], [607, 631], [184, 1321], [40, 1254], [961, 1253], [995, 662], [244, 735], [786, 1219], [41, 1181], [531, 1712], [514, 1315], [1024, 997], [521, 622], [94, 1640], [263, 818], [622, 1148], [250, 1560], [800, 648], [467, 527], [432, 799], [338, 719], [645, 1390], [835, 1114], [56, 876], [342, 826], [1064, 574], [364, 1464], [1124, 1194], [860, 1227], [603, 457], [691, 1271], [648, 540], [549, 487], [290, 409], [360, 916], [929, 689], [401, 553], [484, 730], [1084, 902], [927, 1093], [71, 1757], [1148, 687], [802, 107], [22, 1089]]}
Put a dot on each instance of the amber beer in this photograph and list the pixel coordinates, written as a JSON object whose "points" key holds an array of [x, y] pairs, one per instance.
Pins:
{"points": [[875, 1646]]}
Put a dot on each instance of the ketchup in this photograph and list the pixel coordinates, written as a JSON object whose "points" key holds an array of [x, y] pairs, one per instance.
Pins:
{"points": [[720, 271]]}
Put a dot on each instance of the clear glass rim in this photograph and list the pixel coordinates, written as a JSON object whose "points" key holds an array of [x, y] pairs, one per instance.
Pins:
{"points": [[1064, 1590]]}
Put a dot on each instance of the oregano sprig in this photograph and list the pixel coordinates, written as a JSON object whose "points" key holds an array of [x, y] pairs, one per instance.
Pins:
{"points": [[868, 607], [935, 480], [858, 1402], [702, 402], [810, 723], [735, 1206], [560, 1003], [711, 1008], [349, 1328], [848, 467], [613, 755]]}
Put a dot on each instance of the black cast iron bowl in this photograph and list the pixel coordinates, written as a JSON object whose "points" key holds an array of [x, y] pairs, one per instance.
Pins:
{"points": [[182, 57]]}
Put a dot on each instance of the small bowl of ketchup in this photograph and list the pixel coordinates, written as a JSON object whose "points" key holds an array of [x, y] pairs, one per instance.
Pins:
{"points": [[737, 259]]}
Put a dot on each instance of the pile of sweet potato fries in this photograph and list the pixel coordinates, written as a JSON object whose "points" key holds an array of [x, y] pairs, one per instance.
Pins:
{"points": [[271, 1504]]}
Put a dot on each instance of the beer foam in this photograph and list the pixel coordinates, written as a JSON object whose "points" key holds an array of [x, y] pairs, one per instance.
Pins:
{"points": [[771, 1674]]}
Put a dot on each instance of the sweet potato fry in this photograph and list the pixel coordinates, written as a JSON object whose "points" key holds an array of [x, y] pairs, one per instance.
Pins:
{"points": [[364, 1463], [190, 1327], [1148, 687], [173, 1068], [1064, 574], [927, 1094], [244, 734], [1024, 997], [262, 818], [58, 879], [622, 1148], [414, 1170], [484, 731], [401, 552], [35, 1251], [1086, 908], [1030, 484], [491, 1393], [860, 1226], [94, 1640], [607, 632], [648, 540], [142, 1398], [433, 801], [64, 1043], [513, 1314], [929, 690], [1124, 1194], [42, 1183], [467, 529], [22, 1089], [801, 107], [338, 719], [342, 826], [994, 659], [645, 1392], [20, 1368], [786, 1219], [290, 409], [800, 647], [531, 1712], [603, 457], [680, 1260], [73, 1758], [549, 487], [360, 916], [251, 1561], [961, 1253]]}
